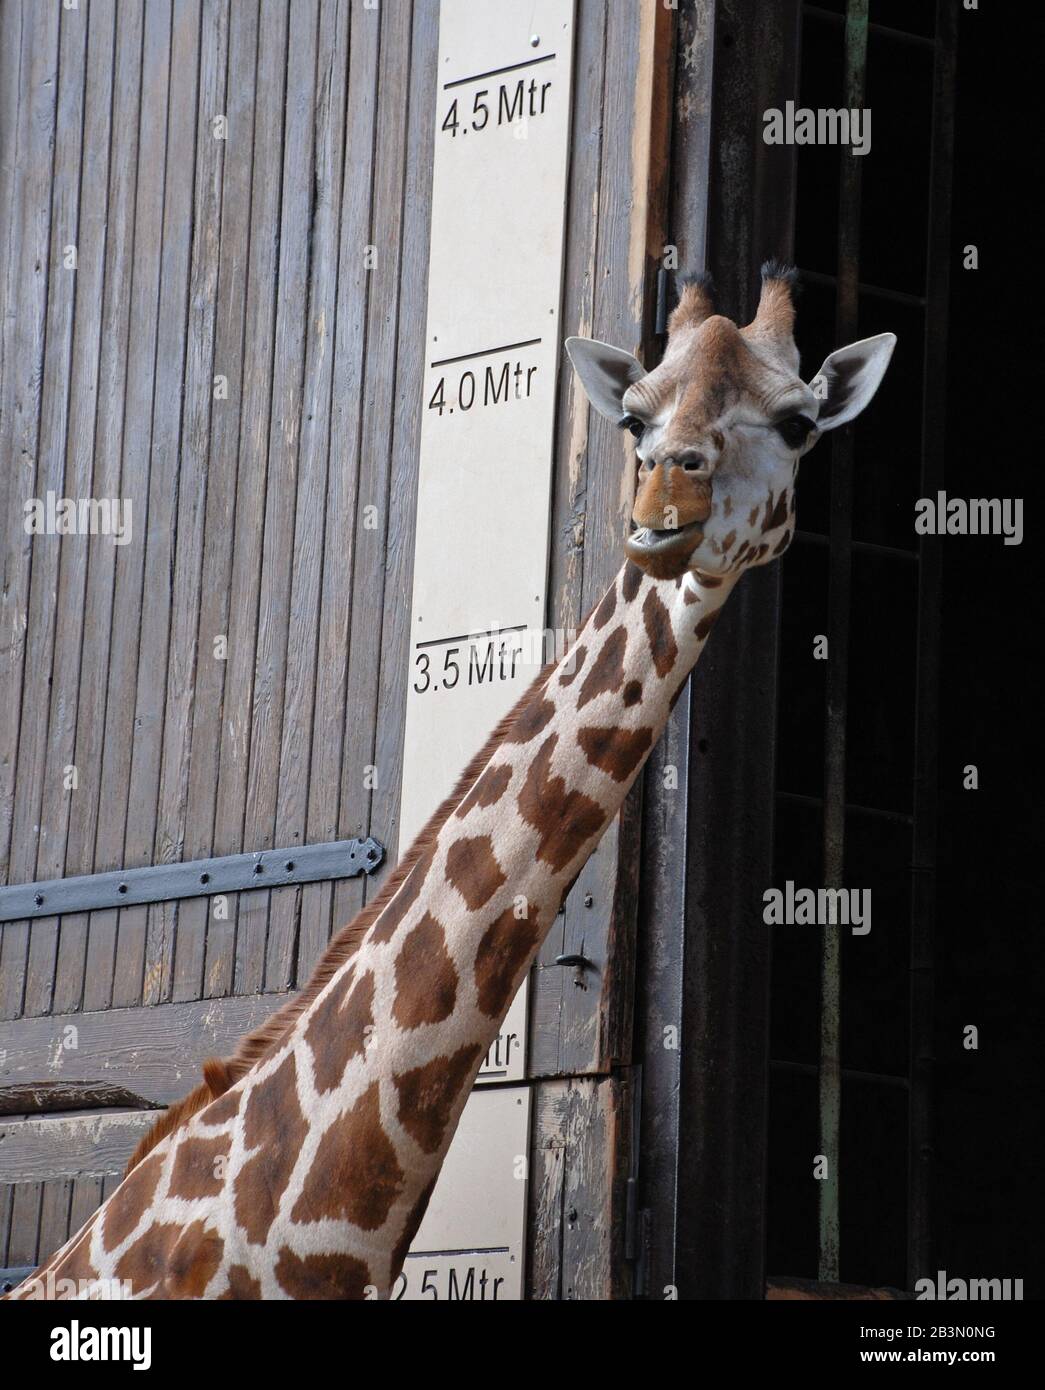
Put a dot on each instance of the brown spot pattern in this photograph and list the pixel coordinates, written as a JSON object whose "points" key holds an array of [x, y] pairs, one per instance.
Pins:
{"points": [[607, 672], [410, 1226], [530, 721], [658, 631], [221, 1110], [568, 677], [488, 790], [472, 868], [616, 751], [707, 623], [606, 608], [632, 693], [242, 1285], [321, 1276], [565, 820], [273, 1120], [130, 1199], [389, 919], [427, 1095], [505, 946], [629, 585], [193, 1262], [337, 1030], [778, 516], [76, 1262], [355, 1176], [144, 1263], [196, 1165], [426, 981]]}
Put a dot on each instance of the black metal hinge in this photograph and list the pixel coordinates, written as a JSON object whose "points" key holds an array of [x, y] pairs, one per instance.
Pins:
{"points": [[198, 878]]}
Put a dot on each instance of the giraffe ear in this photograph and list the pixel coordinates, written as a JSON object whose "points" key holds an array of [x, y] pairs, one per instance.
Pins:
{"points": [[606, 373], [850, 376]]}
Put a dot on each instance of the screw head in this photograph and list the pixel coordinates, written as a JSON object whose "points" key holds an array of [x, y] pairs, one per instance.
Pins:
{"points": [[535, 40]]}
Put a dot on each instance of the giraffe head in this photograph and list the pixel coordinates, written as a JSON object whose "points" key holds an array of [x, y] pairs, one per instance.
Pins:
{"points": [[720, 425]]}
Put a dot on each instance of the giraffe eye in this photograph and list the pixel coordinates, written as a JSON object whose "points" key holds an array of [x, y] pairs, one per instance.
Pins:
{"points": [[633, 425], [793, 430]]}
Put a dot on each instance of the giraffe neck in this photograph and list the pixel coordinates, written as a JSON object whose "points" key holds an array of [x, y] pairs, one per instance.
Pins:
{"points": [[441, 964], [310, 1176]]}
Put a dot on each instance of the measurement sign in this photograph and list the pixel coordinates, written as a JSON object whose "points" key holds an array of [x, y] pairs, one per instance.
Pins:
{"points": [[492, 358], [470, 1246]]}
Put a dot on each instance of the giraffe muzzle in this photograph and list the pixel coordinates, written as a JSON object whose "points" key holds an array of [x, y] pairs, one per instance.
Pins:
{"points": [[646, 544]]}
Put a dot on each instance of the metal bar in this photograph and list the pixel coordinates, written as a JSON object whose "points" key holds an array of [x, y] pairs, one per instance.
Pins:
{"points": [[884, 552], [884, 31], [817, 277], [872, 1078], [830, 1097], [920, 1261], [13, 1276], [816, 803], [197, 878]]}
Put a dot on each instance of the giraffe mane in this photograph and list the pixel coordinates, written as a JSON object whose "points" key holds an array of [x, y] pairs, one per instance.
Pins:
{"points": [[221, 1073]]}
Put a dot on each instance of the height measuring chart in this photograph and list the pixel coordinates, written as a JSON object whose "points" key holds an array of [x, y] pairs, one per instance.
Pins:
{"points": [[492, 353], [492, 350]]}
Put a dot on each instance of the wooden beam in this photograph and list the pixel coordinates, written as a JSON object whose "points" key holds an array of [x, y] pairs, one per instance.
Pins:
{"points": [[83, 1144], [155, 1052]]}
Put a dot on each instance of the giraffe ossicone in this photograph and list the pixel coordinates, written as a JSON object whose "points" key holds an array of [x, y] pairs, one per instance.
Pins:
{"points": [[302, 1167]]}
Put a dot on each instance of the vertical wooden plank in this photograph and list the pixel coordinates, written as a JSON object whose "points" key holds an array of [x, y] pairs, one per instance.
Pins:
{"points": [[113, 367], [570, 503], [405, 439], [312, 519], [270, 665], [230, 349], [13, 108], [54, 1216], [247, 921], [162, 514], [140, 349], [617, 231], [180, 705], [37, 773], [23, 1239], [28, 142], [575, 1240], [22, 330], [6, 1198], [346, 412], [368, 581], [76, 552], [86, 1199]]}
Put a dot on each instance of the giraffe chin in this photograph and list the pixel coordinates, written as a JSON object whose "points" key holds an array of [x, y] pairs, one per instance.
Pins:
{"points": [[664, 554]]}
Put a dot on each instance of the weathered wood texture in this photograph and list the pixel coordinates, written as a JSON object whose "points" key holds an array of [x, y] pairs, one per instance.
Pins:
{"points": [[225, 355], [45, 1097], [234, 351]]}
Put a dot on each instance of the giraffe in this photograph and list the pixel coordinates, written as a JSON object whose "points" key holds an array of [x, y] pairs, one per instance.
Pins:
{"points": [[302, 1167]]}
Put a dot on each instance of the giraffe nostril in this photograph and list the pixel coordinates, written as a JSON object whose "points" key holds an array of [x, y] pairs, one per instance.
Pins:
{"points": [[693, 463]]}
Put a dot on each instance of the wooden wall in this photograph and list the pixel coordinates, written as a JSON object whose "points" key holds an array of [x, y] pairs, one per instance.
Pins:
{"points": [[289, 259]]}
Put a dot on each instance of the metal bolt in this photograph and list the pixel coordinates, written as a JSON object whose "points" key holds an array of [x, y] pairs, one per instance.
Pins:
{"points": [[535, 40]]}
